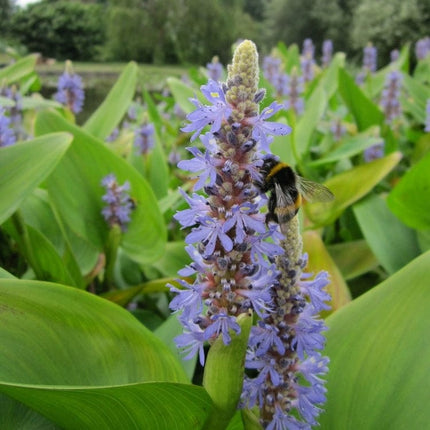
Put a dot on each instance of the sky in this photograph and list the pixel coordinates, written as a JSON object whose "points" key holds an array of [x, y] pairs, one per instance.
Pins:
{"points": [[23, 3]]}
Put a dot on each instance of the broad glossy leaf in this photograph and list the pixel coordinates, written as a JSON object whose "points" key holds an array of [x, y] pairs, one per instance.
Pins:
{"points": [[75, 187], [329, 81], [157, 406], [379, 356], [223, 375], [154, 163], [25, 165], [5, 274], [348, 148], [167, 333], [38, 213], [365, 112], [353, 258], [392, 242], [18, 70], [15, 415], [409, 198], [83, 362], [108, 115], [415, 98], [45, 261], [320, 259], [182, 93], [71, 337], [314, 110], [350, 186], [173, 260], [125, 296]]}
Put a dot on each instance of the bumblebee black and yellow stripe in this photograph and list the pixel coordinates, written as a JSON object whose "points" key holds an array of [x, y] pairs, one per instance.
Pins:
{"points": [[276, 169]]}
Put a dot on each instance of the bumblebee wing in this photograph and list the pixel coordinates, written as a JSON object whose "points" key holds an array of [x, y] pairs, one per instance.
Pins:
{"points": [[312, 191], [283, 199]]}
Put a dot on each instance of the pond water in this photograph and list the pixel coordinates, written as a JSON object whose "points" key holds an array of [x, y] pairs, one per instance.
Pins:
{"points": [[94, 95]]}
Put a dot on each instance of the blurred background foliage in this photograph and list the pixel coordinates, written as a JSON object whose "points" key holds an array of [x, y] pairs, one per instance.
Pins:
{"points": [[191, 31]]}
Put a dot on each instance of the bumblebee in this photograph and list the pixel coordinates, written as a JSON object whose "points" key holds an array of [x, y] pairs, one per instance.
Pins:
{"points": [[287, 189]]}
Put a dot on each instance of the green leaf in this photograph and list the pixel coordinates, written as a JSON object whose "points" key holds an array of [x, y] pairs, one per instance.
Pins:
{"points": [[108, 115], [376, 221], [18, 70], [329, 81], [223, 375], [37, 212], [25, 165], [173, 260], [378, 351], [365, 112], [5, 274], [353, 258], [182, 93], [84, 362], [314, 110], [70, 337], [157, 172], [408, 200], [166, 332], [350, 186], [158, 406], [349, 147], [416, 97], [320, 259], [80, 173], [45, 261]]}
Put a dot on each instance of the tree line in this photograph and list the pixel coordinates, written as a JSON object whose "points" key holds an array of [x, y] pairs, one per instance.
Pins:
{"points": [[192, 31]]}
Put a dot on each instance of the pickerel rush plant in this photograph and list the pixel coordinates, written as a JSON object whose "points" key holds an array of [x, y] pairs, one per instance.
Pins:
{"points": [[70, 89], [236, 267]]}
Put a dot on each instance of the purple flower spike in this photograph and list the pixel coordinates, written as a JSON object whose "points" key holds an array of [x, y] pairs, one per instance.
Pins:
{"points": [[215, 69], [70, 90], [327, 49], [118, 202], [286, 342], [227, 229], [7, 136], [144, 138]]}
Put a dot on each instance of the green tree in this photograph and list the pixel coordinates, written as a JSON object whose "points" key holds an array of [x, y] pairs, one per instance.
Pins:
{"points": [[389, 25], [335, 17], [291, 21], [60, 29], [5, 13]]}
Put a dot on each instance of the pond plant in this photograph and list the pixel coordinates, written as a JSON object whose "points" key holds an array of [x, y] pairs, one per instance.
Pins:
{"points": [[156, 274]]}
